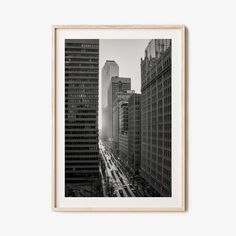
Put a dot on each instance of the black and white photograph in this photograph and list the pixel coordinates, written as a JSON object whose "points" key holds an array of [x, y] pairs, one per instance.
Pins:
{"points": [[118, 117]]}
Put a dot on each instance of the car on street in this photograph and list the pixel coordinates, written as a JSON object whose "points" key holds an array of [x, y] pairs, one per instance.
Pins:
{"points": [[127, 191], [131, 186], [121, 192]]}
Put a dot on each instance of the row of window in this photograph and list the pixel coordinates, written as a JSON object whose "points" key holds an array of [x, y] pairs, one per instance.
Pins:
{"points": [[78, 169], [72, 164], [83, 60], [82, 96], [75, 106], [74, 74], [80, 127], [79, 154], [68, 63], [74, 49], [76, 54], [80, 148], [82, 105], [84, 85], [81, 132], [73, 69], [83, 45], [79, 101], [80, 158], [88, 61], [79, 143], [80, 138]]}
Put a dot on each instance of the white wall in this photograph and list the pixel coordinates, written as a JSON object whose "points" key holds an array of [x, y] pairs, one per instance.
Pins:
{"points": [[25, 120]]}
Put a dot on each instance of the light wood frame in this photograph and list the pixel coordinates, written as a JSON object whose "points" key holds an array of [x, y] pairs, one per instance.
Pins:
{"points": [[184, 118]]}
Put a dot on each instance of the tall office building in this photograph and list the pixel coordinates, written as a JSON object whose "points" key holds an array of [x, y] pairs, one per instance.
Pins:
{"points": [[109, 70], [156, 116], [134, 133], [120, 125], [117, 84], [121, 97], [81, 115]]}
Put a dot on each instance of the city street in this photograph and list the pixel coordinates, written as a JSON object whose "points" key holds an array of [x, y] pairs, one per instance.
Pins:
{"points": [[115, 177]]}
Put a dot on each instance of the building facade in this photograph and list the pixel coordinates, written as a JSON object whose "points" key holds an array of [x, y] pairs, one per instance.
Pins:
{"points": [[123, 132], [156, 118], [109, 70], [121, 97], [117, 84], [134, 133], [81, 115]]}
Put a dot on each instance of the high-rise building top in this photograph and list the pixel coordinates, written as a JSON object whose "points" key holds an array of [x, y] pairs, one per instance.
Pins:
{"points": [[122, 96], [156, 47], [109, 70], [118, 84]]}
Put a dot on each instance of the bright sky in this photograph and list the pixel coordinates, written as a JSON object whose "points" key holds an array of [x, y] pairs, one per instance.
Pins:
{"points": [[127, 53]]}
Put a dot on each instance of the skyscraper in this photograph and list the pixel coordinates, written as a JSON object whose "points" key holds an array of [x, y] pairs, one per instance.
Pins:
{"points": [[109, 70], [134, 133], [156, 116], [118, 122], [81, 115], [117, 84]]}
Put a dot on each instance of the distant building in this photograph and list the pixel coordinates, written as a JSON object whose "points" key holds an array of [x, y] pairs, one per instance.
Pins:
{"points": [[109, 70], [134, 133], [156, 116], [81, 115], [121, 97], [117, 84]]}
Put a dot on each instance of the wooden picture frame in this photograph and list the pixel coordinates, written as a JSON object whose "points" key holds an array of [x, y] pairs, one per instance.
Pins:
{"points": [[56, 206]]}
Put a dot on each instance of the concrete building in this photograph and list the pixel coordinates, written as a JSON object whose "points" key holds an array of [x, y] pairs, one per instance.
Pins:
{"points": [[156, 117], [109, 70], [121, 97], [81, 115], [134, 133], [123, 132], [117, 84]]}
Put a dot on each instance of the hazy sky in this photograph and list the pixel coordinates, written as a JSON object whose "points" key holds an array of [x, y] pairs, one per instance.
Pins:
{"points": [[127, 53]]}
